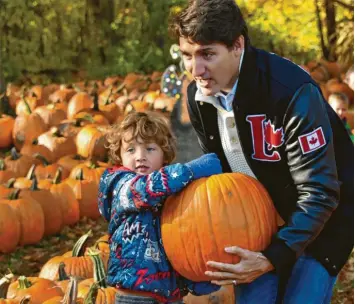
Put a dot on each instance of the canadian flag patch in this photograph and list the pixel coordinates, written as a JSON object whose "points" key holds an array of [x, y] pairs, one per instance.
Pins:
{"points": [[312, 141]]}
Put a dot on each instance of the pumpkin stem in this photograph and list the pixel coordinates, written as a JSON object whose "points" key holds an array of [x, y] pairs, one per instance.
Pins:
{"points": [[96, 102], [26, 300], [61, 272], [99, 268], [31, 172], [14, 195], [23, 283], [5, 282], [14, 154], [71, 294], [56, 132], [87, 117], [10, 183], [92, 294], [76, 88], [2, 164], [77, 122], [121, 87], [44, 161], [34, 185], [108, 97], [28, 108], [78, 157], [125, 92], [141, 96], [58, 176], [79, 247], [98, 243], [93, 164], [80, 175]]}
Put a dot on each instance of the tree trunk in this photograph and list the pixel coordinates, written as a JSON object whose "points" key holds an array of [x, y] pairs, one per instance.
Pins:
{"points": [[325, 49], [331, 28]]}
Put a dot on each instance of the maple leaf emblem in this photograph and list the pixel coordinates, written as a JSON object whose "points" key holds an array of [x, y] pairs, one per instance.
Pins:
{"points": [[274, 138], [313, 140]]}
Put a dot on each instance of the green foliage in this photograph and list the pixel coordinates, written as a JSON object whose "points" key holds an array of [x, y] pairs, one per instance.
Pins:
{"points": [[56, 40]]}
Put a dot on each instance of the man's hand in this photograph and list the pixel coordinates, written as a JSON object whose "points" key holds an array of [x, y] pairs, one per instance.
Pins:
{"points": [[251, 266]]}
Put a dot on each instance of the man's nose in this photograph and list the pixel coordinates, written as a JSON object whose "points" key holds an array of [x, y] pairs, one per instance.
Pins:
{"points": [[198, 67]]}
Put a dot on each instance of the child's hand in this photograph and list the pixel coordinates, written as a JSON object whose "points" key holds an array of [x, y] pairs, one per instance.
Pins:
{"points": [[204, 166]]}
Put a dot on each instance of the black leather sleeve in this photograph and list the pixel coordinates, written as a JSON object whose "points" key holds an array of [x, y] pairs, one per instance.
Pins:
{"points": [[314, 175]]}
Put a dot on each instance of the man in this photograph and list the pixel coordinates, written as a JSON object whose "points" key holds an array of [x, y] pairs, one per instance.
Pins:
{"points": [[265, 117]]}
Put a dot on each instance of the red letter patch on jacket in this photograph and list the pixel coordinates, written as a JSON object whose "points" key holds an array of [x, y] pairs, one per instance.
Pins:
{"points": [[312, 141], [265, 138]]}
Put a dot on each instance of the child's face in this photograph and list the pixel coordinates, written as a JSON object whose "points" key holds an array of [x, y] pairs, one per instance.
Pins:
{"points": [[142, 158], [339, 107]]}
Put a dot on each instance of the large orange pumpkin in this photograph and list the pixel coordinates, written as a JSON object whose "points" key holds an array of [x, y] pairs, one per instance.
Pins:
{"points": [[211, 214]]}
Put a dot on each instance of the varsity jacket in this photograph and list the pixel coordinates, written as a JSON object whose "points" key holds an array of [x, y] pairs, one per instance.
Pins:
{"points": [[298, 148], [132, 204]]}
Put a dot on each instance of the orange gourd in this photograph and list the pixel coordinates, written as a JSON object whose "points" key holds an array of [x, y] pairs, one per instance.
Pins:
{"points": [[38, 289], [18, 163], [53, 219], [65, 196], [9, 229], [27, 128], [85, 192], [75, 261], [5, 282], [68, 162], [6, 126], [30, 215], [32, 148], [92, 170], [91, 142], [5, 175], [211, 214]]}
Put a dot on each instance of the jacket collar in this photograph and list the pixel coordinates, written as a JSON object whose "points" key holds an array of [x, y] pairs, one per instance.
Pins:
{"points": [[247, 79]]}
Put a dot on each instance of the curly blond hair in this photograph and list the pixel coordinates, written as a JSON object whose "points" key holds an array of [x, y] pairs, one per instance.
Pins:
{"points": [[149, 126]]}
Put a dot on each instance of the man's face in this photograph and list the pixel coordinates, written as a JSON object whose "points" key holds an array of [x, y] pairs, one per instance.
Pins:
{"points": [[214, 66]]}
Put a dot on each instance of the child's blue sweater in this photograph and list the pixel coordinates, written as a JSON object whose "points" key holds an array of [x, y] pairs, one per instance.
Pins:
{"points": [[132, 204]]}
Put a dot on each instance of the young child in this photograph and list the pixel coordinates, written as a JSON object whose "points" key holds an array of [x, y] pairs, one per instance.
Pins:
{"points": [[131, 197], [340, 104]]}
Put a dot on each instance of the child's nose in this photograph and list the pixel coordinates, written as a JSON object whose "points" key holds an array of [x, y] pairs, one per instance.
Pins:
{"points": [[140, 156]]}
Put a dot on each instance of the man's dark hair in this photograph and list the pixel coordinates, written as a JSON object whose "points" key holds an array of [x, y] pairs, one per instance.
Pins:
{"points": [[209, 21]]}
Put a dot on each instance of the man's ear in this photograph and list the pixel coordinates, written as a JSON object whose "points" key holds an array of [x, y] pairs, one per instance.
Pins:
{"points": [[239, 45]]}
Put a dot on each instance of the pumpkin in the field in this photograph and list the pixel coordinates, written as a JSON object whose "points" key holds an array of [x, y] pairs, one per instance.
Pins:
{"points": [[6, 126], [38, 289], [230, 209]]}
